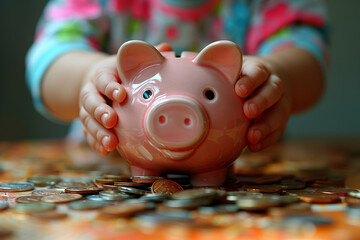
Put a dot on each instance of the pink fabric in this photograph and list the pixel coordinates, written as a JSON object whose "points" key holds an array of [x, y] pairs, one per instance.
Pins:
{"points": [[192, 14], [139, 8], [75, 8], [276, 18]]}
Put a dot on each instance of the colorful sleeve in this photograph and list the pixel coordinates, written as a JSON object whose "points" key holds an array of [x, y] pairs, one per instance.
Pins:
{"points": [[278, 24], [66, 25]]}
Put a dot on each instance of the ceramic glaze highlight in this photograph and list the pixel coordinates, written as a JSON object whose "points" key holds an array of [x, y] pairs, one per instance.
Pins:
{"points": [[181, 114]]}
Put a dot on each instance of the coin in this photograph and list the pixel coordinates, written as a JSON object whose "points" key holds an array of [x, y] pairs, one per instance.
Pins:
{"points": [[110, 187], [83, 190], [46, 192], [258, 204], [155, 197], [124, 209], [195, 193], [145, 179], [290, 209], [318, 198], [133, 190], [16, 187], [87, 204], [355, 194], [297, 192], [42, 181], [131, 184], [62, 198], [117, 178], [34, 207], [234, 196], [28, 199], [113, 195], [224, 208], [102, 181], [187, 204], [291, 185], [335, 190], [165, 186], [352, 201], [51, 215], [263, 188], [73, 184]]}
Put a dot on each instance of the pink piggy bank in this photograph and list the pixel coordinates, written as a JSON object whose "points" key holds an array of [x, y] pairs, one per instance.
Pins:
{"points": [[181, 114]]}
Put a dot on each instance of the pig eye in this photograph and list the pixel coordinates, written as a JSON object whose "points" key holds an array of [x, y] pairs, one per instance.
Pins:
{"points": [[209, 94], [147, 94]]}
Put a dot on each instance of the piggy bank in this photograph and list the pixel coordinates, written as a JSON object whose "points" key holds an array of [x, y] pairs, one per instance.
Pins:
{"points": [[181, 114]]}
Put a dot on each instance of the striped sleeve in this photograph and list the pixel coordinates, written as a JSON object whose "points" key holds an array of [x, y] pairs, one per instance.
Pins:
{"points": [[277, 24], [65, 26]]}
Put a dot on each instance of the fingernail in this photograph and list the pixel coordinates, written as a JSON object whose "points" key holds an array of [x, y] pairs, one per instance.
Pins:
{"points": [[105, 141], [253, 109], [242, 90], [116, 94], [104, 117]]}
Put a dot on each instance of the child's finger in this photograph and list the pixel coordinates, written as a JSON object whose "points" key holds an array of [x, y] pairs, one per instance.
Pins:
{"points": [[268, 141], [253, 75], [106, 82], [94, 144], [163, 47], [264, 97], [96, 106], [273, 119], [103, 136]]}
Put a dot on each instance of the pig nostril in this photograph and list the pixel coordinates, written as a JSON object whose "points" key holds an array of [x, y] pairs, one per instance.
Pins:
{"points": [[162, 119], [187, 122]]}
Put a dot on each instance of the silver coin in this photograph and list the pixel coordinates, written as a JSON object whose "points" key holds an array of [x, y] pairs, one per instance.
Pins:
{"points": [[132, 190], [113, 195], [41, 181], [258, 204], [34, 207], [16, 187], [187, 203], [224, 208], [155, 197], [234, 196], [355, 194], [87, 204], [94, 197], [196, 193]]}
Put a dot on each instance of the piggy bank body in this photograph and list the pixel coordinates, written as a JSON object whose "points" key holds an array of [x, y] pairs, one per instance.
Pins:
{"points": [[181, 114]]}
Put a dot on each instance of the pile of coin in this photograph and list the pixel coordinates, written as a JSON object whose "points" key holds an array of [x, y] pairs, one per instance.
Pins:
{"points": [[153, 198]]}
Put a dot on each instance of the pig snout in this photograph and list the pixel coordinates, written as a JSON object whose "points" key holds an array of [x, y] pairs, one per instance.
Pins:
{"points": [[176, 123]]}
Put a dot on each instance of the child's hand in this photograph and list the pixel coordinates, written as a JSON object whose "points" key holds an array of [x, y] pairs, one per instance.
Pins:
{"points": [[266, 103], [102, 83]]}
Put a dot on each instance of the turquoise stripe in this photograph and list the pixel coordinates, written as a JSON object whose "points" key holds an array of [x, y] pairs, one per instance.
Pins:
{"points": [[40, 56]]}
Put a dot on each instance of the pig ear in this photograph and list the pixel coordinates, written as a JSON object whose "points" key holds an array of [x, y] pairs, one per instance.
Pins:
{"points": [[134, 56], [225, 56]]}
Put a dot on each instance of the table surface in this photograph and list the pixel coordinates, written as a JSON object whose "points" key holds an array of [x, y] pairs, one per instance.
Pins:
{"points": [[336, 160]]}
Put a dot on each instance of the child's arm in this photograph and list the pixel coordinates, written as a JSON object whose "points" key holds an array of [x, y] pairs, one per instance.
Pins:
{"points": [[277, 85]]}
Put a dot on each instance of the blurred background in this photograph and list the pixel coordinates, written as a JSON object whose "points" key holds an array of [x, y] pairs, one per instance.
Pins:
{"points": [[336, 115]]}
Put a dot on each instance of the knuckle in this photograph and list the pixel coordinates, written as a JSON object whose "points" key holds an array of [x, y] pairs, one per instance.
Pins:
{"points": [[84, 96]]}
